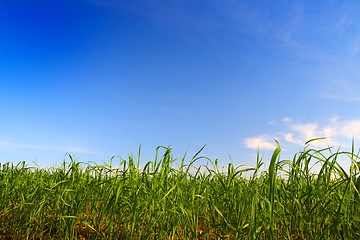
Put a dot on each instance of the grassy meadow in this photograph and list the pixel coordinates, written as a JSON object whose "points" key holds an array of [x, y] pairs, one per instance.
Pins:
{"points": [[173, 199]]}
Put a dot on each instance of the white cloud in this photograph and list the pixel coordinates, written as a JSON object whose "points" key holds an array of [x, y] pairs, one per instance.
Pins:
{"points": [[262, 142], [334, 132], [290, 138], [350, 129], [308, 131]]}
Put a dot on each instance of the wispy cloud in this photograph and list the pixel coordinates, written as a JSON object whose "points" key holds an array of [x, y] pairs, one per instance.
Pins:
{"points": [[291, 28], [342, 90], [165, 11], [302, 34], [19, 145], [70, 149], [167, 109]]}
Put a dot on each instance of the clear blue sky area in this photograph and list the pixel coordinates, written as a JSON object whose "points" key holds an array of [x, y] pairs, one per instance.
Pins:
{"points": [[95, 78]]}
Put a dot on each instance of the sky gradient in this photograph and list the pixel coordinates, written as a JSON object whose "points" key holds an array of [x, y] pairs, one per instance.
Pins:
{"points": [[95, 78]]}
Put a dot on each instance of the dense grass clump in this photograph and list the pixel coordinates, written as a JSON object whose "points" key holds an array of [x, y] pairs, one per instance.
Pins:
{"points": [[163, 201]]}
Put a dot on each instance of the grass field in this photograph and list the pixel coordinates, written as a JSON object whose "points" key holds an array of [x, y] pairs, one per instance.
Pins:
{"points": [[164, 200]]}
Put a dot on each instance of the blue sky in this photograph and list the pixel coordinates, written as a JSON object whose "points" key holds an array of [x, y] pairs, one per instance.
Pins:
{"points": [[95, 78]]}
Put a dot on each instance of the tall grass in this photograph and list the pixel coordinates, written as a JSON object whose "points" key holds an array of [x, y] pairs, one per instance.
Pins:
{"points": [[171, 199]]}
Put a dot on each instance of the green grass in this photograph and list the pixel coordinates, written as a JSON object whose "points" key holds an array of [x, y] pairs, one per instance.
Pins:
{"points": [[164, 200]]}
